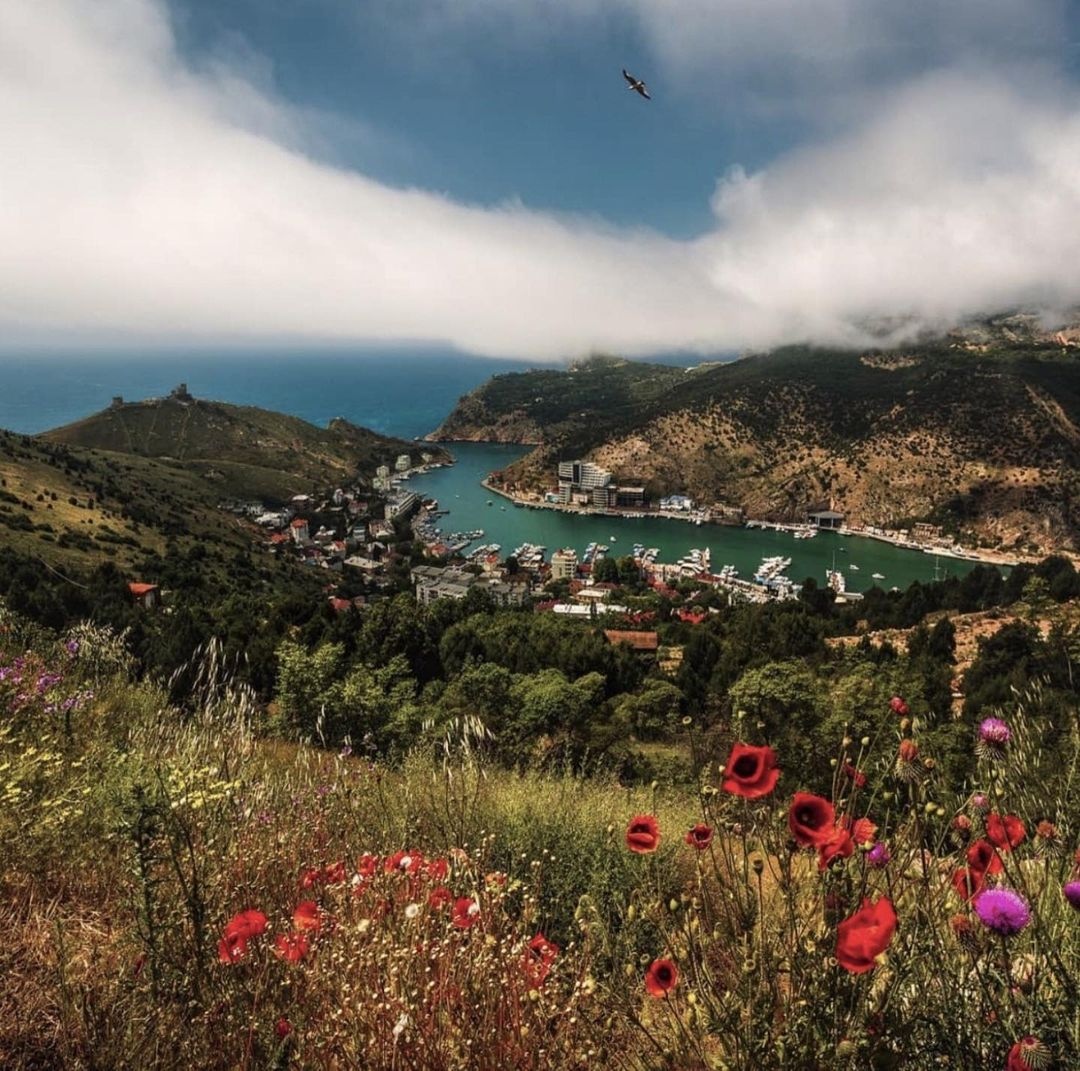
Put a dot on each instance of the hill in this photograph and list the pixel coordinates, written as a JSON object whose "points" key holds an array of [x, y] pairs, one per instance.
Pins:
{"points": [[242, 451], [75, 508], [979, 432]]}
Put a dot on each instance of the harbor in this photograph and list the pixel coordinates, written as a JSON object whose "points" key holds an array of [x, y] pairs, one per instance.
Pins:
{"points": [[466, 505]]}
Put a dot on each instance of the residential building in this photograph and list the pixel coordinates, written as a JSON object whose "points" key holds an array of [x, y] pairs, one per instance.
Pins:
{"points": [[300, 534], [400, 504], [434, 582], [146, 595], [403, 463], [926, 533], [630, 497], [564, 564], [677, 503]]}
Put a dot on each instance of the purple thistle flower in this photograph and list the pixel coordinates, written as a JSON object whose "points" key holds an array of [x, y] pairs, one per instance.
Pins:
{"points": [[1004, 911], [1072, 893], [979, 802], [878, 857], [72, 647], [995, 731]]}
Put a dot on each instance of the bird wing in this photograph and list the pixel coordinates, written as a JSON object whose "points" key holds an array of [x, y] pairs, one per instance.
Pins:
{"points": [[643, 92], [628, 76]]}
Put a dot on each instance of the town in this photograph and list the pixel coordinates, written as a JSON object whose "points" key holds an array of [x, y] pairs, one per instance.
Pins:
{"points": [[376, 538]]}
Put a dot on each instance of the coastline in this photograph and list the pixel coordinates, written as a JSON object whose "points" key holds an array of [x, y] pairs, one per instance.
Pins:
{"points": [[980, 556]]}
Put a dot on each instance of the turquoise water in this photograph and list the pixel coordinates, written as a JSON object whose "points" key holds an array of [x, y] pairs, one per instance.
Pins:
{"points": [[458, 489]]}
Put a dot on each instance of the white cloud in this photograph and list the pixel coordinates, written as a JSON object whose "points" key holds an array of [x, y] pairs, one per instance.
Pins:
{"points": [[142, 200]]}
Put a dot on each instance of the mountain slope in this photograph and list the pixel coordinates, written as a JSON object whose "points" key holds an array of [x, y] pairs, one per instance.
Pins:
{"points": [[984, 439], [242, 450]]}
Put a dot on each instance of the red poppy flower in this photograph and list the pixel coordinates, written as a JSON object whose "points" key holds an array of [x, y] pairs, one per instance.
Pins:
{"points": [[643, 834], [283, 1028], [404, 862], [308, 917], [856, 775], [334, 874], [367, 864], [311, 877], [811, 819], [539, 956], [750, 771], [231, 949], [700, 836], [437, 869], [967, 882], [439, 896], [661, 978], [861, 938], [983, 858], [863, 831], [240, 929], [840, 846], [291, 947], [1005, 833], [246, 924], [466, 912], [898, 706]]}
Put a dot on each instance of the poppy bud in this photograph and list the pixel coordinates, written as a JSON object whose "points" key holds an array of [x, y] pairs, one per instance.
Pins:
{"points": [[865, 741]]}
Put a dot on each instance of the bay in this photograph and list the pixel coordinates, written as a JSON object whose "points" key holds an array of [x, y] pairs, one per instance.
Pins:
{"points": [[458, 490]]}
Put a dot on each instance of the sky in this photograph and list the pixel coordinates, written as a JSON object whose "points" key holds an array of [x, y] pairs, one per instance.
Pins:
{"points": [[475, 174]]}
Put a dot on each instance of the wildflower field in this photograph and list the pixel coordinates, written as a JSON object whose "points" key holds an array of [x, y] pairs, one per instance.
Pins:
{"points": [[180, 891]]}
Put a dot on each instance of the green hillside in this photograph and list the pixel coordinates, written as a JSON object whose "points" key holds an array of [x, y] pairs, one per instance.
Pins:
{"points": [[242, 451], [982, 437]]}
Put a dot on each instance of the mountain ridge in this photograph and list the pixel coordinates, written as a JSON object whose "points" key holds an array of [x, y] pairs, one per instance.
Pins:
{"points": [[978, 431]]}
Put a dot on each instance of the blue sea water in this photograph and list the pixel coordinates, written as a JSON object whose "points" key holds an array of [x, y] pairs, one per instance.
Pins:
{"points": [[395, 392]]}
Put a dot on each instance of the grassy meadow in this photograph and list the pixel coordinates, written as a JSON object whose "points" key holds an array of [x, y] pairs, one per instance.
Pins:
{"points": [[181, 891]]}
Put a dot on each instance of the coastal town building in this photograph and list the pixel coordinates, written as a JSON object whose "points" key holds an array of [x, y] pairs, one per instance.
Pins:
{"points": [[299, 530], [403, 463], [400, 504], [826, 518], [922, 532], [677, 503], [583, 483], [630, 497], [146, 595], [433, 583], [564, 564]]}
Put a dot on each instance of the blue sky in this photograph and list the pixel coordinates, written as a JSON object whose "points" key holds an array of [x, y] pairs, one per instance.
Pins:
{"points": [[492, 111], [473, 174]]}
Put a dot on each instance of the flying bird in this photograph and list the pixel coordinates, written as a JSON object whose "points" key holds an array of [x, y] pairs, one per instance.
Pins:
{"points": [[636, 84]]}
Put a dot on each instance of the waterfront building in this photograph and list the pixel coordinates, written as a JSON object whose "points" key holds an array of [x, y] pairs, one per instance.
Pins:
{"points": [[826, 518], [400, 504], [630, 497], [403, 464], [677, 503], [564, 564], [583, 474]]}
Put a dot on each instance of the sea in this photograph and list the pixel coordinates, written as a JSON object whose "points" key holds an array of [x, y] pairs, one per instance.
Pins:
{"points": [[407, 393]]}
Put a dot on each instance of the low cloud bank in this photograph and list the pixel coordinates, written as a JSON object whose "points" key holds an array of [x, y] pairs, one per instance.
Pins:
{"points": [[137, 202]]}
